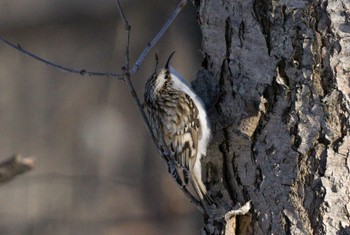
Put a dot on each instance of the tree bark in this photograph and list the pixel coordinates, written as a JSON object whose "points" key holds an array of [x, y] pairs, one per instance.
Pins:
{"points": [[275, 80]]}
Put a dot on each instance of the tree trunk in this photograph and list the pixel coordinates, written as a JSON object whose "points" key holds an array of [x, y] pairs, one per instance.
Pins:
{"points": [[275, 80]]}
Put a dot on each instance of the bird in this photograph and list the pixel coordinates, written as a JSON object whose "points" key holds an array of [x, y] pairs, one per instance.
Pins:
{"points": [[179, 123]]}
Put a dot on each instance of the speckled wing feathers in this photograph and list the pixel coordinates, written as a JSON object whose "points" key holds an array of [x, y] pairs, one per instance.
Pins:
{"points": [[176, 126]]}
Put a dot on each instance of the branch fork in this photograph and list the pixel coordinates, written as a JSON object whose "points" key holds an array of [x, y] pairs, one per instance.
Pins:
{"points": [[125, 74]]}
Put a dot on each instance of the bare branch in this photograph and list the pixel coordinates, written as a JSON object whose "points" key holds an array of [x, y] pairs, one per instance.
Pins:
{"points": [[81, 72], [125, 76], [121, 12], [130, 85], [137, 65], [84, 72], [14, 166]]}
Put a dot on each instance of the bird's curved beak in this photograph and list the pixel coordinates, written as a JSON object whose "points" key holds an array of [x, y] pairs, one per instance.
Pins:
{"points": [[168, 61]]}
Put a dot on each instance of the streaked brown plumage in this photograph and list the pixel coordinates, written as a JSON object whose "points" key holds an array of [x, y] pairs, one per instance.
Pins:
{"points": [[178, 122]]}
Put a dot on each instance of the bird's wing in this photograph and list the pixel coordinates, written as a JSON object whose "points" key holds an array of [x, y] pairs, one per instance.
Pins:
{"points": [[176, 126], [181, 132]]}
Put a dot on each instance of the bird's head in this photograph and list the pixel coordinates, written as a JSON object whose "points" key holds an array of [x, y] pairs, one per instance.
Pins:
{"points": [[161, 78]]}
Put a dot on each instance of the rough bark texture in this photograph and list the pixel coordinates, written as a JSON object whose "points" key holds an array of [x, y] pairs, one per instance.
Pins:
{"points": [[275, 79]]}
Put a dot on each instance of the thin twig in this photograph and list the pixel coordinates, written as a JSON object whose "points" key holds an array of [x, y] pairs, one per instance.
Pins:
{"points": [[131, 88], [137, 65], [121, 12], [81, 72], [14, 166], [127, 75], [126, 72], [84, 72]]}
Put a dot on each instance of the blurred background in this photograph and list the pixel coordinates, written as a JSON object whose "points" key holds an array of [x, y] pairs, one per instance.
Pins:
{"points": [[96, 171]]}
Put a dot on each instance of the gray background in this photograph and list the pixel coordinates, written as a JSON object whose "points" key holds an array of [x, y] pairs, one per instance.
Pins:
{"points": [[97, 171]]}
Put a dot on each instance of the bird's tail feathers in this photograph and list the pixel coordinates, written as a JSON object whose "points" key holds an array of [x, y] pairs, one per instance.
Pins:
{"points": [[200, 189]]}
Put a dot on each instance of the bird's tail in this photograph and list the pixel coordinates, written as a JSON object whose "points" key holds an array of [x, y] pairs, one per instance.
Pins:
{"points": [[200, 189]]}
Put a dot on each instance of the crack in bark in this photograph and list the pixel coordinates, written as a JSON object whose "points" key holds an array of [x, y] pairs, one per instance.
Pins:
{"points": [[297, 44], [344, 129], [228, 177], [259, 179], [228, 37], [321, 69], [313, 186], [262, 12], [293, 128], [241, 33], [344, 122], [225, 75]]}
